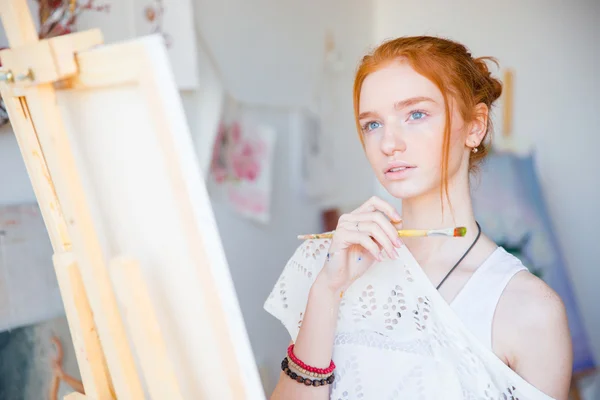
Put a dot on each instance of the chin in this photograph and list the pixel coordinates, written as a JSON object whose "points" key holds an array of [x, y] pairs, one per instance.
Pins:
{"points": [[405, 190]]}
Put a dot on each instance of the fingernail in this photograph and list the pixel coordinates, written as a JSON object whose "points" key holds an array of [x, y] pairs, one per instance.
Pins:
{"points": [[398, 242], [397, 217]]}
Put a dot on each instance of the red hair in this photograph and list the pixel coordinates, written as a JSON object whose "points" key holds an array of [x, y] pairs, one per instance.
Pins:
{"points": [[450, 66]]}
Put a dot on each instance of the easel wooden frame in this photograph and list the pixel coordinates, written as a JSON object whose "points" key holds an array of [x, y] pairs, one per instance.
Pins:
{"points": [[33, 71]]}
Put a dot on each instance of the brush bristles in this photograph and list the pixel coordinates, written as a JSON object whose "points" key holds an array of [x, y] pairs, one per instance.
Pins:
{"points": [[460, 231]]}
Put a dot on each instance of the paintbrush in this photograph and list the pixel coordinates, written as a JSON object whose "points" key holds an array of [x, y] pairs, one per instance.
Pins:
{"points": [[453, 232]]}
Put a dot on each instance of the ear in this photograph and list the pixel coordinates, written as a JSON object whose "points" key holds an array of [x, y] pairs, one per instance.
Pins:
{"points": [[478, 127]]}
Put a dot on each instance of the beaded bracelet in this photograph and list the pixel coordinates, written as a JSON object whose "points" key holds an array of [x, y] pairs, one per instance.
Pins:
{"points": [[295, 367], [307, 381], [295, 359]]}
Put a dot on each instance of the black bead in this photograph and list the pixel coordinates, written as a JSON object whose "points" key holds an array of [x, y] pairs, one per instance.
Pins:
{"points": [[308, 382], [316, 383], [299, 379], [323, 382], [293, 375], [331, 379]]}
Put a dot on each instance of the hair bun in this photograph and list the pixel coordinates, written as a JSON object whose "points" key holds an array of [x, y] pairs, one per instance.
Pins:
{"points": [[490, 85]]}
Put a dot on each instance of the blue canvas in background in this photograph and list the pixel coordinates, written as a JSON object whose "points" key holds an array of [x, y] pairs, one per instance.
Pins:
{"points": [[510, 207]]}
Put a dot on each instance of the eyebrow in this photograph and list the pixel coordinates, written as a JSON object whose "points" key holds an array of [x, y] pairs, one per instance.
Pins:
{"points": [[400, 105]]}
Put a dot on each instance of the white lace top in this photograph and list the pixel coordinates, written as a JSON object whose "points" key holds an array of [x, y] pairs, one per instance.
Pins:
{"points": [[396, 337]]}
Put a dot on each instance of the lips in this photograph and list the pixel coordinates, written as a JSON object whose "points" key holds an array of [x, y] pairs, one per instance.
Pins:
{"points": [[398, 166], [398, 170]]}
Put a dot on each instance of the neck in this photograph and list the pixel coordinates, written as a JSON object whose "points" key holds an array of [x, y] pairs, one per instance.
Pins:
{"points": [[425, 212]]}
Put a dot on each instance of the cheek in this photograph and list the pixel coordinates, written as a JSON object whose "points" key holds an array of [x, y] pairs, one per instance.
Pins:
{"points": [[458, 139], [456, 151], [427, 143], [372, 149]]}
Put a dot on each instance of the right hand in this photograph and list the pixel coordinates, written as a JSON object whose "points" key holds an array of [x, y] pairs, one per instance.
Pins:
{"points": [[358, 241]]}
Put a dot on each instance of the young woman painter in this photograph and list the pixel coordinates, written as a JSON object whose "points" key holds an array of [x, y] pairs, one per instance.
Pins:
{"points": [[372, 316]]}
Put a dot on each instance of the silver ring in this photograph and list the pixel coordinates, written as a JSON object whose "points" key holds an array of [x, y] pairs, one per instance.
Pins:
{"points": [[357, 226]]}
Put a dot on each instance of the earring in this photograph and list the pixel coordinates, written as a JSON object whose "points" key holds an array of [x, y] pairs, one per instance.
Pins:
{"points": [[475, 150]]}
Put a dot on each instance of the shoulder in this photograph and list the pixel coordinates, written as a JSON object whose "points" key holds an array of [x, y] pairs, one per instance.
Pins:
{"points": [[529, 304], [531, 331], [532, 305]]}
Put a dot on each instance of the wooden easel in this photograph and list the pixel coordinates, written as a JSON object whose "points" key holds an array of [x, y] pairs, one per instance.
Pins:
{"points": [[119, 356], [29, 56]]}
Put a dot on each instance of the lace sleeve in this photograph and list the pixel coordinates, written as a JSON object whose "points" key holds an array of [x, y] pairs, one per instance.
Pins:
{"points": [[288, 299]]}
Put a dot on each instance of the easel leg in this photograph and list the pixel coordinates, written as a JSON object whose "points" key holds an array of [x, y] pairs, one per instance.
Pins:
{"points": [[79, 315], [17, 22], [90, 358]]}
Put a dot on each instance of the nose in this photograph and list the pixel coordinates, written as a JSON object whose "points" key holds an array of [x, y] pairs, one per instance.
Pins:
{"points": [[392, 140]]}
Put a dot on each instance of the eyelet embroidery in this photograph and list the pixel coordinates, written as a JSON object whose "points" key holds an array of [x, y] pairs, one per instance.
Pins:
{"points": [[397, 320], [396, 305], [311, 250]]}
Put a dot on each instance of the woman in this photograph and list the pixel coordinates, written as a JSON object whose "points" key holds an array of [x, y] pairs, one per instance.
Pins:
{"points": [[372, 317]]}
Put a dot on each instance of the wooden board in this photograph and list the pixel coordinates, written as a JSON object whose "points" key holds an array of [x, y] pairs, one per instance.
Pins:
{"points": [[148, 202]]}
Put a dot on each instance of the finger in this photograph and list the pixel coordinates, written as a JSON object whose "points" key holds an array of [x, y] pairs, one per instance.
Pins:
{"points": [[370, 245], [390, 230], [377, 204], [373, 229], [398, 226], [363, 240], [388, 227], [380, 236], [343, 218]]}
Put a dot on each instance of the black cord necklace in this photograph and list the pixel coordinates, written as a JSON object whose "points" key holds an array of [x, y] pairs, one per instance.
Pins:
{"points": [[463, 256]]}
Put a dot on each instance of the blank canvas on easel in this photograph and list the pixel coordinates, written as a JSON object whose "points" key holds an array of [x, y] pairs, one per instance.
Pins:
{"points": [[142, 273], [136, 159]]}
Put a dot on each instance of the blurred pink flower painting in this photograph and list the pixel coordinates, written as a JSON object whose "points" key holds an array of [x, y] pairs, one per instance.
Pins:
{"points": [[241, 165]]}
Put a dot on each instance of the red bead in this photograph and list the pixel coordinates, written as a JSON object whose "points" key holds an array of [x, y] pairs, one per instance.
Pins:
{"points": [[308, 367]]}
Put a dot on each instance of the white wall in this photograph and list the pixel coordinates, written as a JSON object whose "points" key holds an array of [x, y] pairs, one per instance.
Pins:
{"points": [[271, 52], [553, 47], [15, 186]]}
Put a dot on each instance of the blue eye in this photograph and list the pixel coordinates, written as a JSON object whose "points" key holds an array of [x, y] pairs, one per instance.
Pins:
{"points": [[416, 115], [371, 125]]}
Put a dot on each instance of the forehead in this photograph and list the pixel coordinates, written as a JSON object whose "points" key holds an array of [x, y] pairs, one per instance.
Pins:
{"points": [[395, 82]]}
